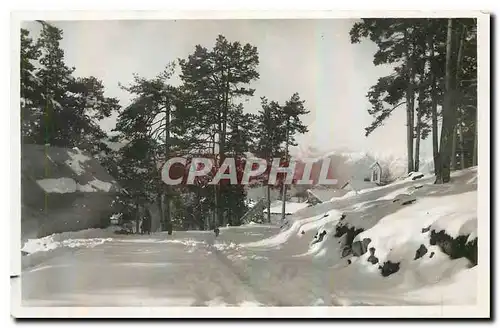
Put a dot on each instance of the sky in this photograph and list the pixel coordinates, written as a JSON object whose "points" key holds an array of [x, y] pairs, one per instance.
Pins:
{"points": [[310, 56]]}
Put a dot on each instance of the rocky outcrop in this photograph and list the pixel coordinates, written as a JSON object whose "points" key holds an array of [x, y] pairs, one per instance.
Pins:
{"points": [[426, 229], [318, 237], [360, 247], [421, 251], [372, 259], [389, 268], [455, 247], [348, 233]]}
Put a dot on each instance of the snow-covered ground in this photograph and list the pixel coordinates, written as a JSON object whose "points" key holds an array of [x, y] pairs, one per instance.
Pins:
{"points": [[290, 207], [390, 245]]}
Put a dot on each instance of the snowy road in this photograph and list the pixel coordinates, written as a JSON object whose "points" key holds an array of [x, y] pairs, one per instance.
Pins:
{"points": [[151, 271], [257, 265], [191, 270]]}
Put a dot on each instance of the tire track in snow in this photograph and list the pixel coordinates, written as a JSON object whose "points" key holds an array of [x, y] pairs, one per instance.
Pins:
{"points": [[260, 295]]}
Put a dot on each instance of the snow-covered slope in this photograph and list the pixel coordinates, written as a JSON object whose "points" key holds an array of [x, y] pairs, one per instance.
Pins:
{"points": [[408, 243]]}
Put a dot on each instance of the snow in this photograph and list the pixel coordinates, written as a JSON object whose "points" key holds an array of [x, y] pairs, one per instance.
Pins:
{"points": [[266, 265], [250, 203], [346, 195], [59, 185], [458, 218], [95, 185], [114, 219], [306, 225], [86, 188], [61, 239], [395, 231], [115, 146], [397, 236], [290, 207], [49, 243], [77, 159], [141, 170], [395, 194], [68, 185], [450, 290], [472, 236]]}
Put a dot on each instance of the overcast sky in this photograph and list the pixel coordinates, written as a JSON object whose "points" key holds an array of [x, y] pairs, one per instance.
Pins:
{"points": [[312, 57]]}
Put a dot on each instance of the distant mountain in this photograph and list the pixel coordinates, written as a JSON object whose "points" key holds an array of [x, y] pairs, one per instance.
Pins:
{"points": [[353, 166]]}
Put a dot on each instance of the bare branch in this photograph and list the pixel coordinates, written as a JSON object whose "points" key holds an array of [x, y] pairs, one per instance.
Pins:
{"points": [[156, 130]]}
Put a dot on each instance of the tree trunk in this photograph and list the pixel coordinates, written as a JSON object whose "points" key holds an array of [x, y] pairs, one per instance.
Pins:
{"points": [[159, 201], [216, 197], [197, 211], [461, 144], [474, 151], [167, 220], [434, 116], [453, 163], [409, 110], [268, 202], [418, 130], [137, 217], [222, 124], [283, 206], [457, 79], [417, 144], [222, 148], [448, 109], [409, 136]]}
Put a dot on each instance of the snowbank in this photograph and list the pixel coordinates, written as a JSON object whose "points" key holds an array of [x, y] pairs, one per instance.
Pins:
{"points": [[72, 239], [48, 243], [290, 207], [297, 229], [397, 236], [392, 259]]}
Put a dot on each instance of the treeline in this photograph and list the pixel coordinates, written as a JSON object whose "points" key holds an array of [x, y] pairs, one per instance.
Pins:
{"points": [[58, 108], [201, 116], [435, 79]]}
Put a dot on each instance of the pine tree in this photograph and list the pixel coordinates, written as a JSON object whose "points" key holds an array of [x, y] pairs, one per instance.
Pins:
{"points": [[55, 78], [291, 118], [147, 123], [437, 62], [58, 109], [30, 88], [270, 139], [400, 41], [215, 79]]}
